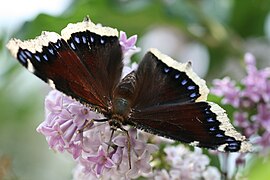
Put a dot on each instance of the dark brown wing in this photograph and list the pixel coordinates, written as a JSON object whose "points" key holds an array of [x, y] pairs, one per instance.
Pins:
{"points": [[202, 124], [85, 62], [170, 100], [162, 80]]}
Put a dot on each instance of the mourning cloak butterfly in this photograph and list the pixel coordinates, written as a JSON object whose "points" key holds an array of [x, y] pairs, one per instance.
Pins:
{"points": [[162, 96]]}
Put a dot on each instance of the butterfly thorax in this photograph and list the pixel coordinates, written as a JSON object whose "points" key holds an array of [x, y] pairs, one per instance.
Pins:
{"points": [[121, 102], [119, 114], [121, 107], [123, 95]]}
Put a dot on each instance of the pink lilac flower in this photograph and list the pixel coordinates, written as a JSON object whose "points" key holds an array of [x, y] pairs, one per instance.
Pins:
{"points": [[140, 165], [264, 142], [227, 89], [129, 49], [186, 164], [64, 119], [95, 163], [254, 93], [251, 113], [256, 82], [137, 143], [161, 175], [101, 160], [127, 44], [263, 116], [241, 120], [211, 173]]}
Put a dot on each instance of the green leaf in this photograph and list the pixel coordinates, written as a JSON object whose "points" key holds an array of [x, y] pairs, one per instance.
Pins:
{"points": [[248, 17], [260, 169]]}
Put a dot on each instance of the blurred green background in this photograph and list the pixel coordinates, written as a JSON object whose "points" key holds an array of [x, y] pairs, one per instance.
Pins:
{"points": [[214, 34]]}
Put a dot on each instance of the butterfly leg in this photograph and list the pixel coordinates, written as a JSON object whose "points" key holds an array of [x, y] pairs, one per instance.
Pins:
{"points": [[89, 123], [110, 141], [113, 130], [115, 124], [128, 144], [100, 120], [86, 125]]}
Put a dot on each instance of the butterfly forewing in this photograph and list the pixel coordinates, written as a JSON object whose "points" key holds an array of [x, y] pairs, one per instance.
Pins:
{"points": [[101, 56], [158, 82], [84, 63]]}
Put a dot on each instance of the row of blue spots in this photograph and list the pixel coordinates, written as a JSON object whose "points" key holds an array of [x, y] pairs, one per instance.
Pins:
{"points": [[78, 39], [213, 127], [183, 82], [24, 55], [210, 116], [51, 51], [213, 124], [58, 44], [40, 57]]}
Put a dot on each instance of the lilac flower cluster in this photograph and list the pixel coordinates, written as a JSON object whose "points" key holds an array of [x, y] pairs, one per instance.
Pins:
{"points": [[251, 99], [69, 126], [65, 120], [96, 161], [186, 164]]}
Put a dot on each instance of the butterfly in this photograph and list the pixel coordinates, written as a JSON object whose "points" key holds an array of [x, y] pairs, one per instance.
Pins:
{"points": [[162, 96]]}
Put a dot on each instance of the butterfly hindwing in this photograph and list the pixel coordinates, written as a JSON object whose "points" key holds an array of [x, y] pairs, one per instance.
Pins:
{"points": [[202, 124], [74, 62]]}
